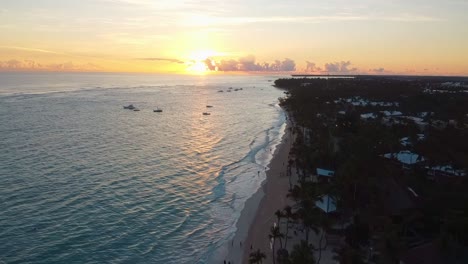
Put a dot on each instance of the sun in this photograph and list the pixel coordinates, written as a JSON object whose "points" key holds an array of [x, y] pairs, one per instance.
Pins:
{"points": [[198, 59], [197, 67]]}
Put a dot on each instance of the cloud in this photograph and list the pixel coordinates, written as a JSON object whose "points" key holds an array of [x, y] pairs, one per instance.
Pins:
{"points": [[162, 59], [288, 65], [210, 64], [209, 20], [311, 67], [411, 18], [339, 67], [342, 67], [30, 49], [30, 65], [224, 65], [378, 70], [249, 64], [381, 70], [10, 64]]}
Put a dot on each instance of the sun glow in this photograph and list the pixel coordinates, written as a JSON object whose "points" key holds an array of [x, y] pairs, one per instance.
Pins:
{"points": [[197, 63], [197, 67]]}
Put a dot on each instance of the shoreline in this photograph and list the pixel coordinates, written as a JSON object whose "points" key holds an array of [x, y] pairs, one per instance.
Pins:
{"points": [[257, 215]]}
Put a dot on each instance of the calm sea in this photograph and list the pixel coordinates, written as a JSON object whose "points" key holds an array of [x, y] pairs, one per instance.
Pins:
{"points": [[83, 180]]}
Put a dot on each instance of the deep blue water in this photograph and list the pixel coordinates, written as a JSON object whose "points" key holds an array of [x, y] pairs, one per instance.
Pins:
{"points": [[84, 181]]}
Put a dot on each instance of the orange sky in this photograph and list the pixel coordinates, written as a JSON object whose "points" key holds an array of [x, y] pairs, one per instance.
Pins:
{"points": [[199, 37]]}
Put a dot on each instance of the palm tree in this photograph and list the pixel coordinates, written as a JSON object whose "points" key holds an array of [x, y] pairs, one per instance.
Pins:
{"points": [[256, 257], [306, 195], [289, 215], [275, 234], [289, 170], [302, 253], [279, 215], [310, 221], [312, 217], [325, 224]]}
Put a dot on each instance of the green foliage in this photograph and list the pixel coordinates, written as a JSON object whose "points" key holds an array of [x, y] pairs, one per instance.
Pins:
{"points": [[303, 253], [256, 257], [364, 180], [349, 255]]}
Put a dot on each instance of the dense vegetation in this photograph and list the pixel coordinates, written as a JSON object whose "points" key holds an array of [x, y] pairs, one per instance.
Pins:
{"points": [[384, 209]]}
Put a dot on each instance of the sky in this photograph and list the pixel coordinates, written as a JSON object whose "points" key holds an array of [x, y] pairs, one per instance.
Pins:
{"points": [[199, 37]]}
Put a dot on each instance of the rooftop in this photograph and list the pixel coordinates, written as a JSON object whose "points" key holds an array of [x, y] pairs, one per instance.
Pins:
{"points": [[324, 172], [448, 169], [392, 113], [369, 116], [406, 157], [326, 204]]}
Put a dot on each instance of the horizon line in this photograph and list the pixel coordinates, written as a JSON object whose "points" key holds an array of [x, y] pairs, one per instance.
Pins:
{"points": [[239, 73]]}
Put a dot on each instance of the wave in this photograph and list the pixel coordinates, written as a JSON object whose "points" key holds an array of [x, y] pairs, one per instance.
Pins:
{"points": [[264, 142], [81, 174]]}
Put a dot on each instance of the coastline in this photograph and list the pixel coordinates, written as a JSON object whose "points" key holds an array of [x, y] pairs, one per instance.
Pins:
{"points": [[257, 216]]}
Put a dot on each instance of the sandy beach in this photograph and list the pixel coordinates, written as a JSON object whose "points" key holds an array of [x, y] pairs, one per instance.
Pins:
{"points": [[258, 216], [275, 189]]}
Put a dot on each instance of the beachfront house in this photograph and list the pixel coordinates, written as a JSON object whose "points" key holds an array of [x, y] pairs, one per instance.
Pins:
{"points": [[368, 116], [324, 176], [327, 204], [406, 158], [391, 113], [444, 171]]}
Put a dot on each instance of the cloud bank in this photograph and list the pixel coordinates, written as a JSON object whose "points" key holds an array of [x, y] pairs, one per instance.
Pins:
{"points": [[249, 64], [311, 67], [378, 70], [339, 67], [31, 65], [342, 67]]}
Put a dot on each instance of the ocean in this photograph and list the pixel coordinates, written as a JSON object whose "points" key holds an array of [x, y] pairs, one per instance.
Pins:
{"points": [[83, 180]]}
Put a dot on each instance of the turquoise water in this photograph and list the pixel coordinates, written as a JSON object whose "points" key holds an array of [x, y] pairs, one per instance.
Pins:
{"points": [[84, 181]]}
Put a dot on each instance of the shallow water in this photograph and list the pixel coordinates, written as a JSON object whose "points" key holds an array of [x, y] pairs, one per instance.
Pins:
{"points": [[82, 180]]}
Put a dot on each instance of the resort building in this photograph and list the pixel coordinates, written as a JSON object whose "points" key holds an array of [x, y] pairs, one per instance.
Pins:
{"points": [[327, 204], [324, 175], [405, 157]]}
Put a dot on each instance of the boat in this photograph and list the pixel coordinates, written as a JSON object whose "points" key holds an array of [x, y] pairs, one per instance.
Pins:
{"points": [[157, 110], [206, 113], [220, 91], [209, 106], [131, 107], [136, 109]]}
